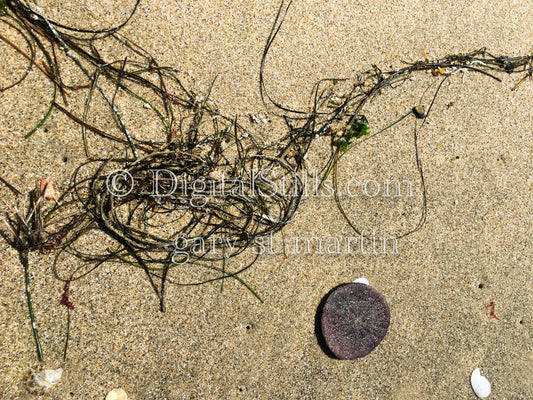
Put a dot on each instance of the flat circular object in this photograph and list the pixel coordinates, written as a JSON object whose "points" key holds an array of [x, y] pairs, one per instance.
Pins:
{"points": [[355, 319]]}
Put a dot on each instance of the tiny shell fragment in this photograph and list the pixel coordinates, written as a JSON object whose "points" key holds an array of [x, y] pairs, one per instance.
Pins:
{"points": [[48, 190], [39, 381], [361, 280], [480, 384], [117, 394]]}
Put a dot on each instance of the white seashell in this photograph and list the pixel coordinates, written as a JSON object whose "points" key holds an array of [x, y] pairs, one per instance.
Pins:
{"points": [[48, 377], [361, 280], [480, 384], [117, 394], [39, 381]]}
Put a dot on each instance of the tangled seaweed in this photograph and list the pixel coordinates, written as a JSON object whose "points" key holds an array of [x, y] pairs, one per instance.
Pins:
{"points": [[343, 119], [203, 190]]}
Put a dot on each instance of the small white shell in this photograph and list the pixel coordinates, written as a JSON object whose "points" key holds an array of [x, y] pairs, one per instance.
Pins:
{"points": [[480, 384], [361, 280], [39, 381], [117, 394]]}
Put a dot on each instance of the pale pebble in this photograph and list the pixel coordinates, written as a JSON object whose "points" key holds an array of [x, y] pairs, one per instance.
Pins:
{"points": [[117, 394]]}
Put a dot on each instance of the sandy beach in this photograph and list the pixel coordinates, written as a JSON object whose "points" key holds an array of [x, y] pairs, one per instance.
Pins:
{"points": [[474, 248]]}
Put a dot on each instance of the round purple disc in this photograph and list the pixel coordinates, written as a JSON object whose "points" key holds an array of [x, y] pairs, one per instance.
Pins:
{"points": [[355, 319]]}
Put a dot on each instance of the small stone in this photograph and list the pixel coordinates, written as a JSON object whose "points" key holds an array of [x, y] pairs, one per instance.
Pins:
{"points": [[419, 112], [117, 394]]}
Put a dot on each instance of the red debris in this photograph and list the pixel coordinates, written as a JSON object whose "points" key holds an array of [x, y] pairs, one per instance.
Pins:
{"points": [[64, 297], [491, 307]]}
